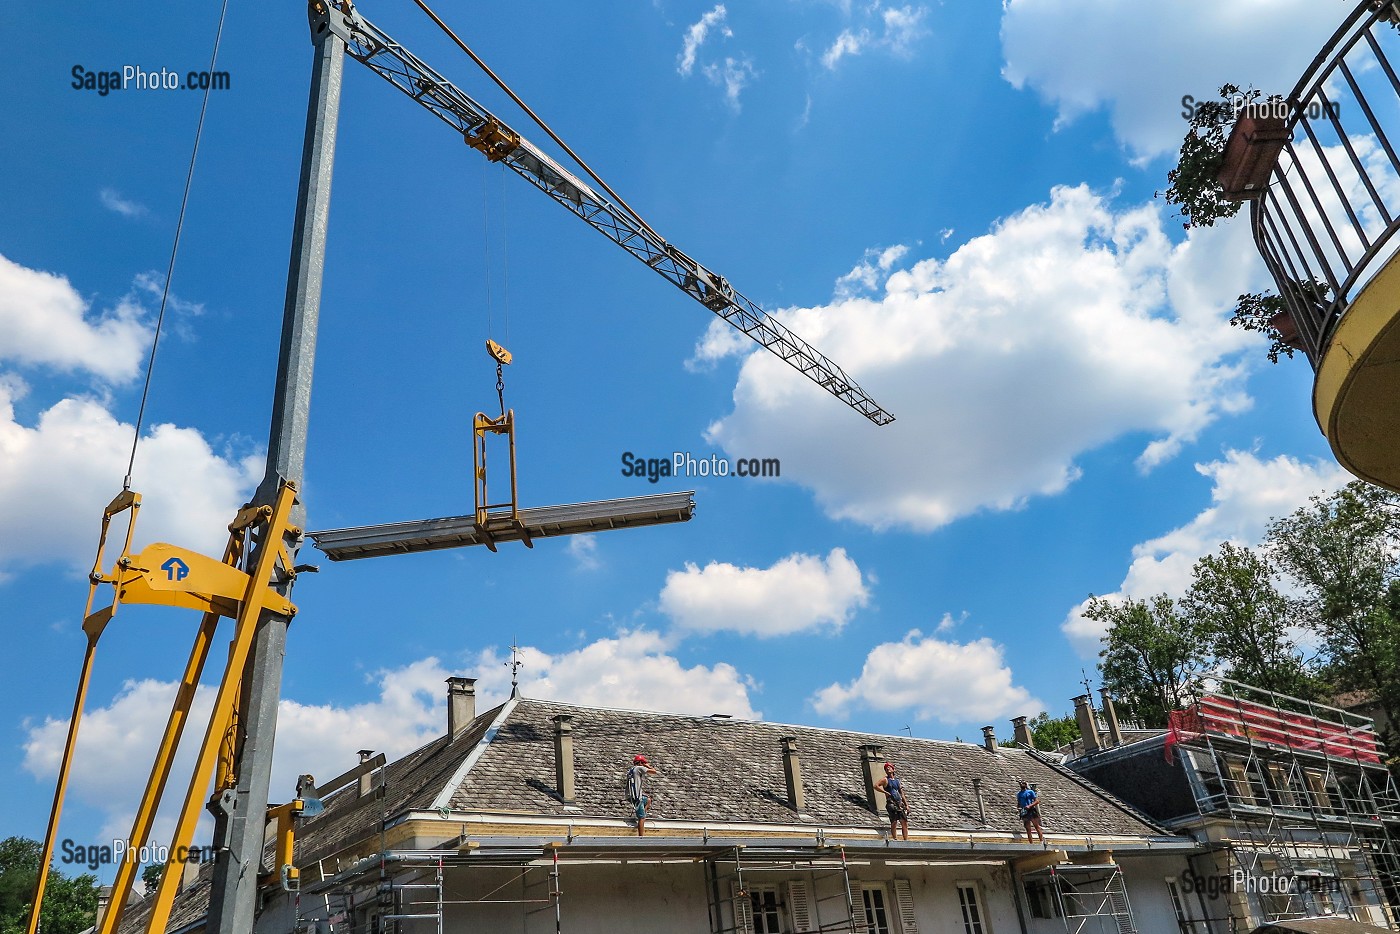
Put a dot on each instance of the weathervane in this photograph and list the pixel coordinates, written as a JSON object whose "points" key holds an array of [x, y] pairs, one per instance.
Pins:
{"points": [[515, 664]]}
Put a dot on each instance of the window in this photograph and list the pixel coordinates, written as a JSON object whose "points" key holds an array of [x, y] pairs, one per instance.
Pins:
{"points": [[876, 902], [767, 910], [1041, 900], [971, 909]]}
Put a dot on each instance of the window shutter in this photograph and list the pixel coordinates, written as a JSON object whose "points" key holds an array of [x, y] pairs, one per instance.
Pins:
{"points": [[743, 909], [904, 901], [801, 906], [858, 916]]}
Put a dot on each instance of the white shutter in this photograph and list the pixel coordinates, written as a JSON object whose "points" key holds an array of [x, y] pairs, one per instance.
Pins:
{"points": [[800, 904], [858, 916], [743, 909], [904, 901]]}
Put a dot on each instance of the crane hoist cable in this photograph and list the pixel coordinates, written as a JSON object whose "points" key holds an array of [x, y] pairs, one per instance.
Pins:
{"points": [[174, 251]]}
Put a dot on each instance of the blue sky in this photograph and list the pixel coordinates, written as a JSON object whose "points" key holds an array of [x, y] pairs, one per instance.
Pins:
{"points": [[954, 201]]}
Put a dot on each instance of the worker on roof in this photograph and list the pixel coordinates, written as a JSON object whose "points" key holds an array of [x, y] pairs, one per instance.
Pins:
{"points": [[1028, 801], [896, 802], [636, 792]]}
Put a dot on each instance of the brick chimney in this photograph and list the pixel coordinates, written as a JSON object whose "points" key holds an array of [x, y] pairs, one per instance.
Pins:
{"points": [[989, 739], [366, 776], [564, 756], [461, 704], [1021, 732], [792, 772], [872, 767], [1115, 733], [1088, 728]]}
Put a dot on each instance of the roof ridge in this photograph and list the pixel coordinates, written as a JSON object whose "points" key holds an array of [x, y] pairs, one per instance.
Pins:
{"points": [[444, 797], [772, 723]]}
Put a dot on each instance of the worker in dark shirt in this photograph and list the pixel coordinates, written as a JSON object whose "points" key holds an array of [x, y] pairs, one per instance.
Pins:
{"points": [[896, 802]]}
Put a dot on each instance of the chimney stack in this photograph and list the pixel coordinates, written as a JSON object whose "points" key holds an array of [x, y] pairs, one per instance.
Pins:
{"points": [[564, 756], [461, 705], [1088, 729], [792, 772], [989, 738], [1021, 732], [872, 768], [104, 899], [1115, 732], [366, 776]]}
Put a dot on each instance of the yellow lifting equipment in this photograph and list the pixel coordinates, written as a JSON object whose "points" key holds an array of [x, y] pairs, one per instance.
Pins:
{"points": [[496, 517], [238, 587]]}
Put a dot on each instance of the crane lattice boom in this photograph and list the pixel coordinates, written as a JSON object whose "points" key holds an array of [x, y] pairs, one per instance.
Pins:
{"points": [[498, 142]]}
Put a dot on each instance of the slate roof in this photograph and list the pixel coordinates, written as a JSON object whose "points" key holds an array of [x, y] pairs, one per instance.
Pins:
{"points": [[731, 771], [712, 771]]}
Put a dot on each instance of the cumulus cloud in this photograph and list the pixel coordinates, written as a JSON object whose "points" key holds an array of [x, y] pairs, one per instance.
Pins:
{"points": [[1082, 55], [798, 593], [936, 679], [632, 670], [584, 550], [1247, 492], [697, 33], [898, 28], [56, 476], [117, 741], [47, 323], [1069, 325], [113, 201]]}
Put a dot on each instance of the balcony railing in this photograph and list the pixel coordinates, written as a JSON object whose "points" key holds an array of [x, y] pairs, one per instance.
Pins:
{"points": [[1326, 222]]}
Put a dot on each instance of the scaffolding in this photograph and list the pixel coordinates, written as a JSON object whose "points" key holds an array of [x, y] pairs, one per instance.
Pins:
{"points": [[1089, 894], [738, 906], [1312, 813]]}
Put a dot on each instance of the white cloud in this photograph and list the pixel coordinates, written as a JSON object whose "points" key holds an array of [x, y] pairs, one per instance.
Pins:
{"points": [[798, 593], [56, 477], [869, 274], [584, 550], [733, 75], [117, 741], [900, 28], [634, 670], [47, 323], [936, 679], [1246, 494], [1081, 55], [113, 201], [1070, 325], [697, 33]]}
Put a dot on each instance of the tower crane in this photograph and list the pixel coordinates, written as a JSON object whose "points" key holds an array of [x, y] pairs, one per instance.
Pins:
{"points": [[252, 583]]}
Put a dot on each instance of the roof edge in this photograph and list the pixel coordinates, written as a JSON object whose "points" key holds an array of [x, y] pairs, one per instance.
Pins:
{"points": [[444, 797]]}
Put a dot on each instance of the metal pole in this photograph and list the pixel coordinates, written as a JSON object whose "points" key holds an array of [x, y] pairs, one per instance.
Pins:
{"points": [[241, 812]]}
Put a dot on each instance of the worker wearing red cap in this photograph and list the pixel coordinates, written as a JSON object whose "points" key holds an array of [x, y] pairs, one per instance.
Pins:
{"points": [[636, 794]]}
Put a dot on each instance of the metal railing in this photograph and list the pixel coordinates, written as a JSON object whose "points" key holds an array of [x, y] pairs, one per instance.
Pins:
{"points": [[1326, 223]]}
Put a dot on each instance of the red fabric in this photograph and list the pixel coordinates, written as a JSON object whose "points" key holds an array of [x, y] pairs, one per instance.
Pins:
{"points": [[1248, 720]]}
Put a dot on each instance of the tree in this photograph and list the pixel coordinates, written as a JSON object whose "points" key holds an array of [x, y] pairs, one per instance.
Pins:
{"points": [[1344, 551], [70, 905], [1151, 653], [1244, 621], [150, 876], [1050, 733]]}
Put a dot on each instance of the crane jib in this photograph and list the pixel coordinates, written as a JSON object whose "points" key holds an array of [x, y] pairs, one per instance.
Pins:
{"points": [[483, 131]]}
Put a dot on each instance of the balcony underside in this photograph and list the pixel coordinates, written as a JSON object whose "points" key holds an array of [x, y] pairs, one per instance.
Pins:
{"points": [[1357, 394]]}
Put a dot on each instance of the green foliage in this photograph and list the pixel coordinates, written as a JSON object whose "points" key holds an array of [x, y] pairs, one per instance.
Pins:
{"points": [[150, 876], [1151, 653], [1051, 733], [1193, 187], [1254, 312], [1344, 552], [70, 904], [1236, 609]]}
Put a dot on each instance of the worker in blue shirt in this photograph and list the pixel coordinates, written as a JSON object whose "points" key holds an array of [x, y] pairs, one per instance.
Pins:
{"points": [[1029, 803], [896, 802]]}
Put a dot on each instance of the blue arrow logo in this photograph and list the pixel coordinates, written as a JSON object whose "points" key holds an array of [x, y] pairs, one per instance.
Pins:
{"points": [[175, 569]]}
